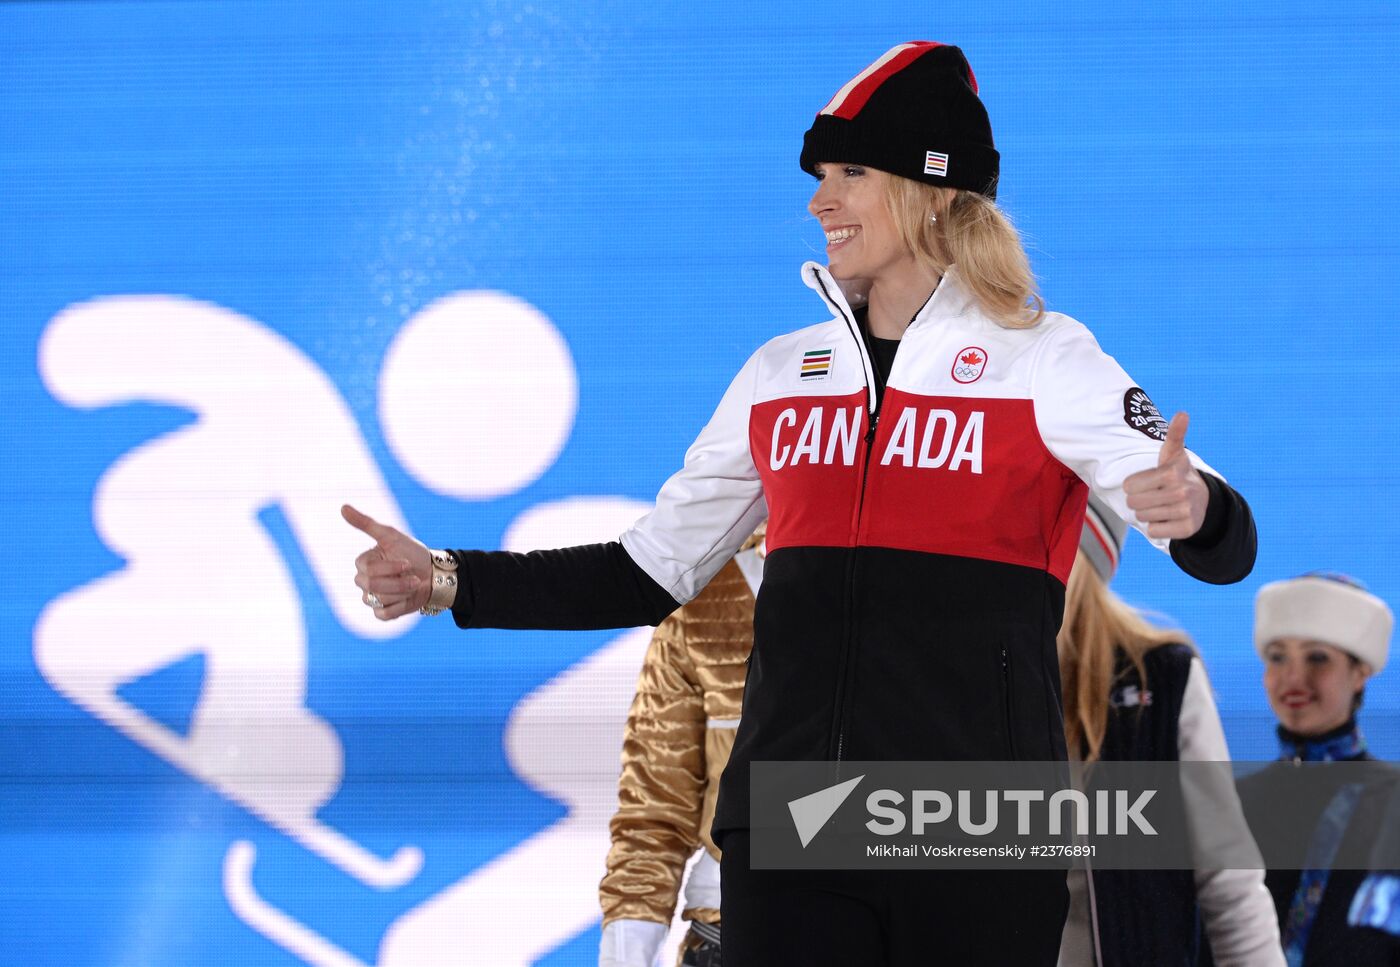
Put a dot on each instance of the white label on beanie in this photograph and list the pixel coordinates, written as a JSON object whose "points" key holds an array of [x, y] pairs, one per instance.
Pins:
{"points": [[935, 163]]}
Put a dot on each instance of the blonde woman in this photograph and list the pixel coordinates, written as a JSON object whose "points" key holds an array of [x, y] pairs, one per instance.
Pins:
{"points": [[1136, 692], [923, 457]]}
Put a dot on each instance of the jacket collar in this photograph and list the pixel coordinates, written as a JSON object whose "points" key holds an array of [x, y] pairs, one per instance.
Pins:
{"points": [[1339, 745], [950, 298]]}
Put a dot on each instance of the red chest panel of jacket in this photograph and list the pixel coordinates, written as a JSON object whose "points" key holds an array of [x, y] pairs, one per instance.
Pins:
{"points": [[962, 476]]}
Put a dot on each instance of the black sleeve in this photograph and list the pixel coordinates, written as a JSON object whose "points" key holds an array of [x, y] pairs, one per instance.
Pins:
{"points": [[571, 589], [1223, 550]]}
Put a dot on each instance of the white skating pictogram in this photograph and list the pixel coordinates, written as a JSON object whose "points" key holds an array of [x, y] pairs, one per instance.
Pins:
{"points": [[202, 575]]}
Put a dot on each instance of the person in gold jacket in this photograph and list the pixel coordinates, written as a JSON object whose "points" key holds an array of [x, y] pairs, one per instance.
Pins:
{"points": [[679, 733]]}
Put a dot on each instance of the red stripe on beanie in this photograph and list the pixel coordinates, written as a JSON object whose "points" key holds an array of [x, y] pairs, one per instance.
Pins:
{"points": [[852, 97]]}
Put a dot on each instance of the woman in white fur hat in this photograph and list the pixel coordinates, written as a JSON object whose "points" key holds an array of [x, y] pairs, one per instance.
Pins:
{"points": [[1321, 636]]}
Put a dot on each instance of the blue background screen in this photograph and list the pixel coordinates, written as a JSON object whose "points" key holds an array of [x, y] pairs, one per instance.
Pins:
{"points": [[485, 269]]}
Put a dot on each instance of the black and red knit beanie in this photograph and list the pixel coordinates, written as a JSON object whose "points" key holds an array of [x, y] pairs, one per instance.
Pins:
{"points": [[913, 113]]}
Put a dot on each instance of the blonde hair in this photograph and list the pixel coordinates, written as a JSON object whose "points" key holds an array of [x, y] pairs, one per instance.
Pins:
{"points": [[974, 233], [1097, 623]]}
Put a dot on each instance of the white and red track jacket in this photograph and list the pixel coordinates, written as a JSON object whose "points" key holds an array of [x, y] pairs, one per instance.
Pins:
{"points": [[918, 544]]}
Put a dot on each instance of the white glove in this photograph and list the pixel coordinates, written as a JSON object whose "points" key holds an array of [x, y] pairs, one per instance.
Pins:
{"points": [[631, 943]]}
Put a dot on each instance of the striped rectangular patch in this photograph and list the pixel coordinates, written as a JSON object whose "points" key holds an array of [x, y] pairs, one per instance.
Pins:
{"points": [[935, 163], [816, 364]]}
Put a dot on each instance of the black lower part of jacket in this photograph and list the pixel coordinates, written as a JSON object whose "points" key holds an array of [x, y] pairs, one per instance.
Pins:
{"points": [[859, 652], [871, 653]]}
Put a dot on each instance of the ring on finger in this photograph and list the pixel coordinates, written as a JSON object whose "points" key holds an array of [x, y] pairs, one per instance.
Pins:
{"points": [[372, 600]]}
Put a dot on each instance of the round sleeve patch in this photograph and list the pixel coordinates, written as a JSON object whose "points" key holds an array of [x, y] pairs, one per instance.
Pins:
{"points": [[1140, 413]]}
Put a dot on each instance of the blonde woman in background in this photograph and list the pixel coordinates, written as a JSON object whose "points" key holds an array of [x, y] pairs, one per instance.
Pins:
{"points": [[1140, 693]]}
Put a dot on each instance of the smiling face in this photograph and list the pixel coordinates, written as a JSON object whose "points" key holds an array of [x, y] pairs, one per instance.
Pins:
{"points": [[1311, 685], [862, 241]]}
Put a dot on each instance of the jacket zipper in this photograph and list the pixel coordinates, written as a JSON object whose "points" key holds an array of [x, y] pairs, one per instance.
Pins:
{"points": [[872, 420], [849, 645], [1006, 702]]}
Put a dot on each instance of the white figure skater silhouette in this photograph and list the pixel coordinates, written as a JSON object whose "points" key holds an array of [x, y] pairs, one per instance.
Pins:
{"points": [[183, 510], [201, 572]]}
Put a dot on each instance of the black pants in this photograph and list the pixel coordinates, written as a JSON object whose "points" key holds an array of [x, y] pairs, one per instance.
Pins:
{"points": [[894, 918]]}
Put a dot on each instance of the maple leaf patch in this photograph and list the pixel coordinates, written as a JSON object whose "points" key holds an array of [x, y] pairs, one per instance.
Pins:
{"points": [[969, 364]]}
